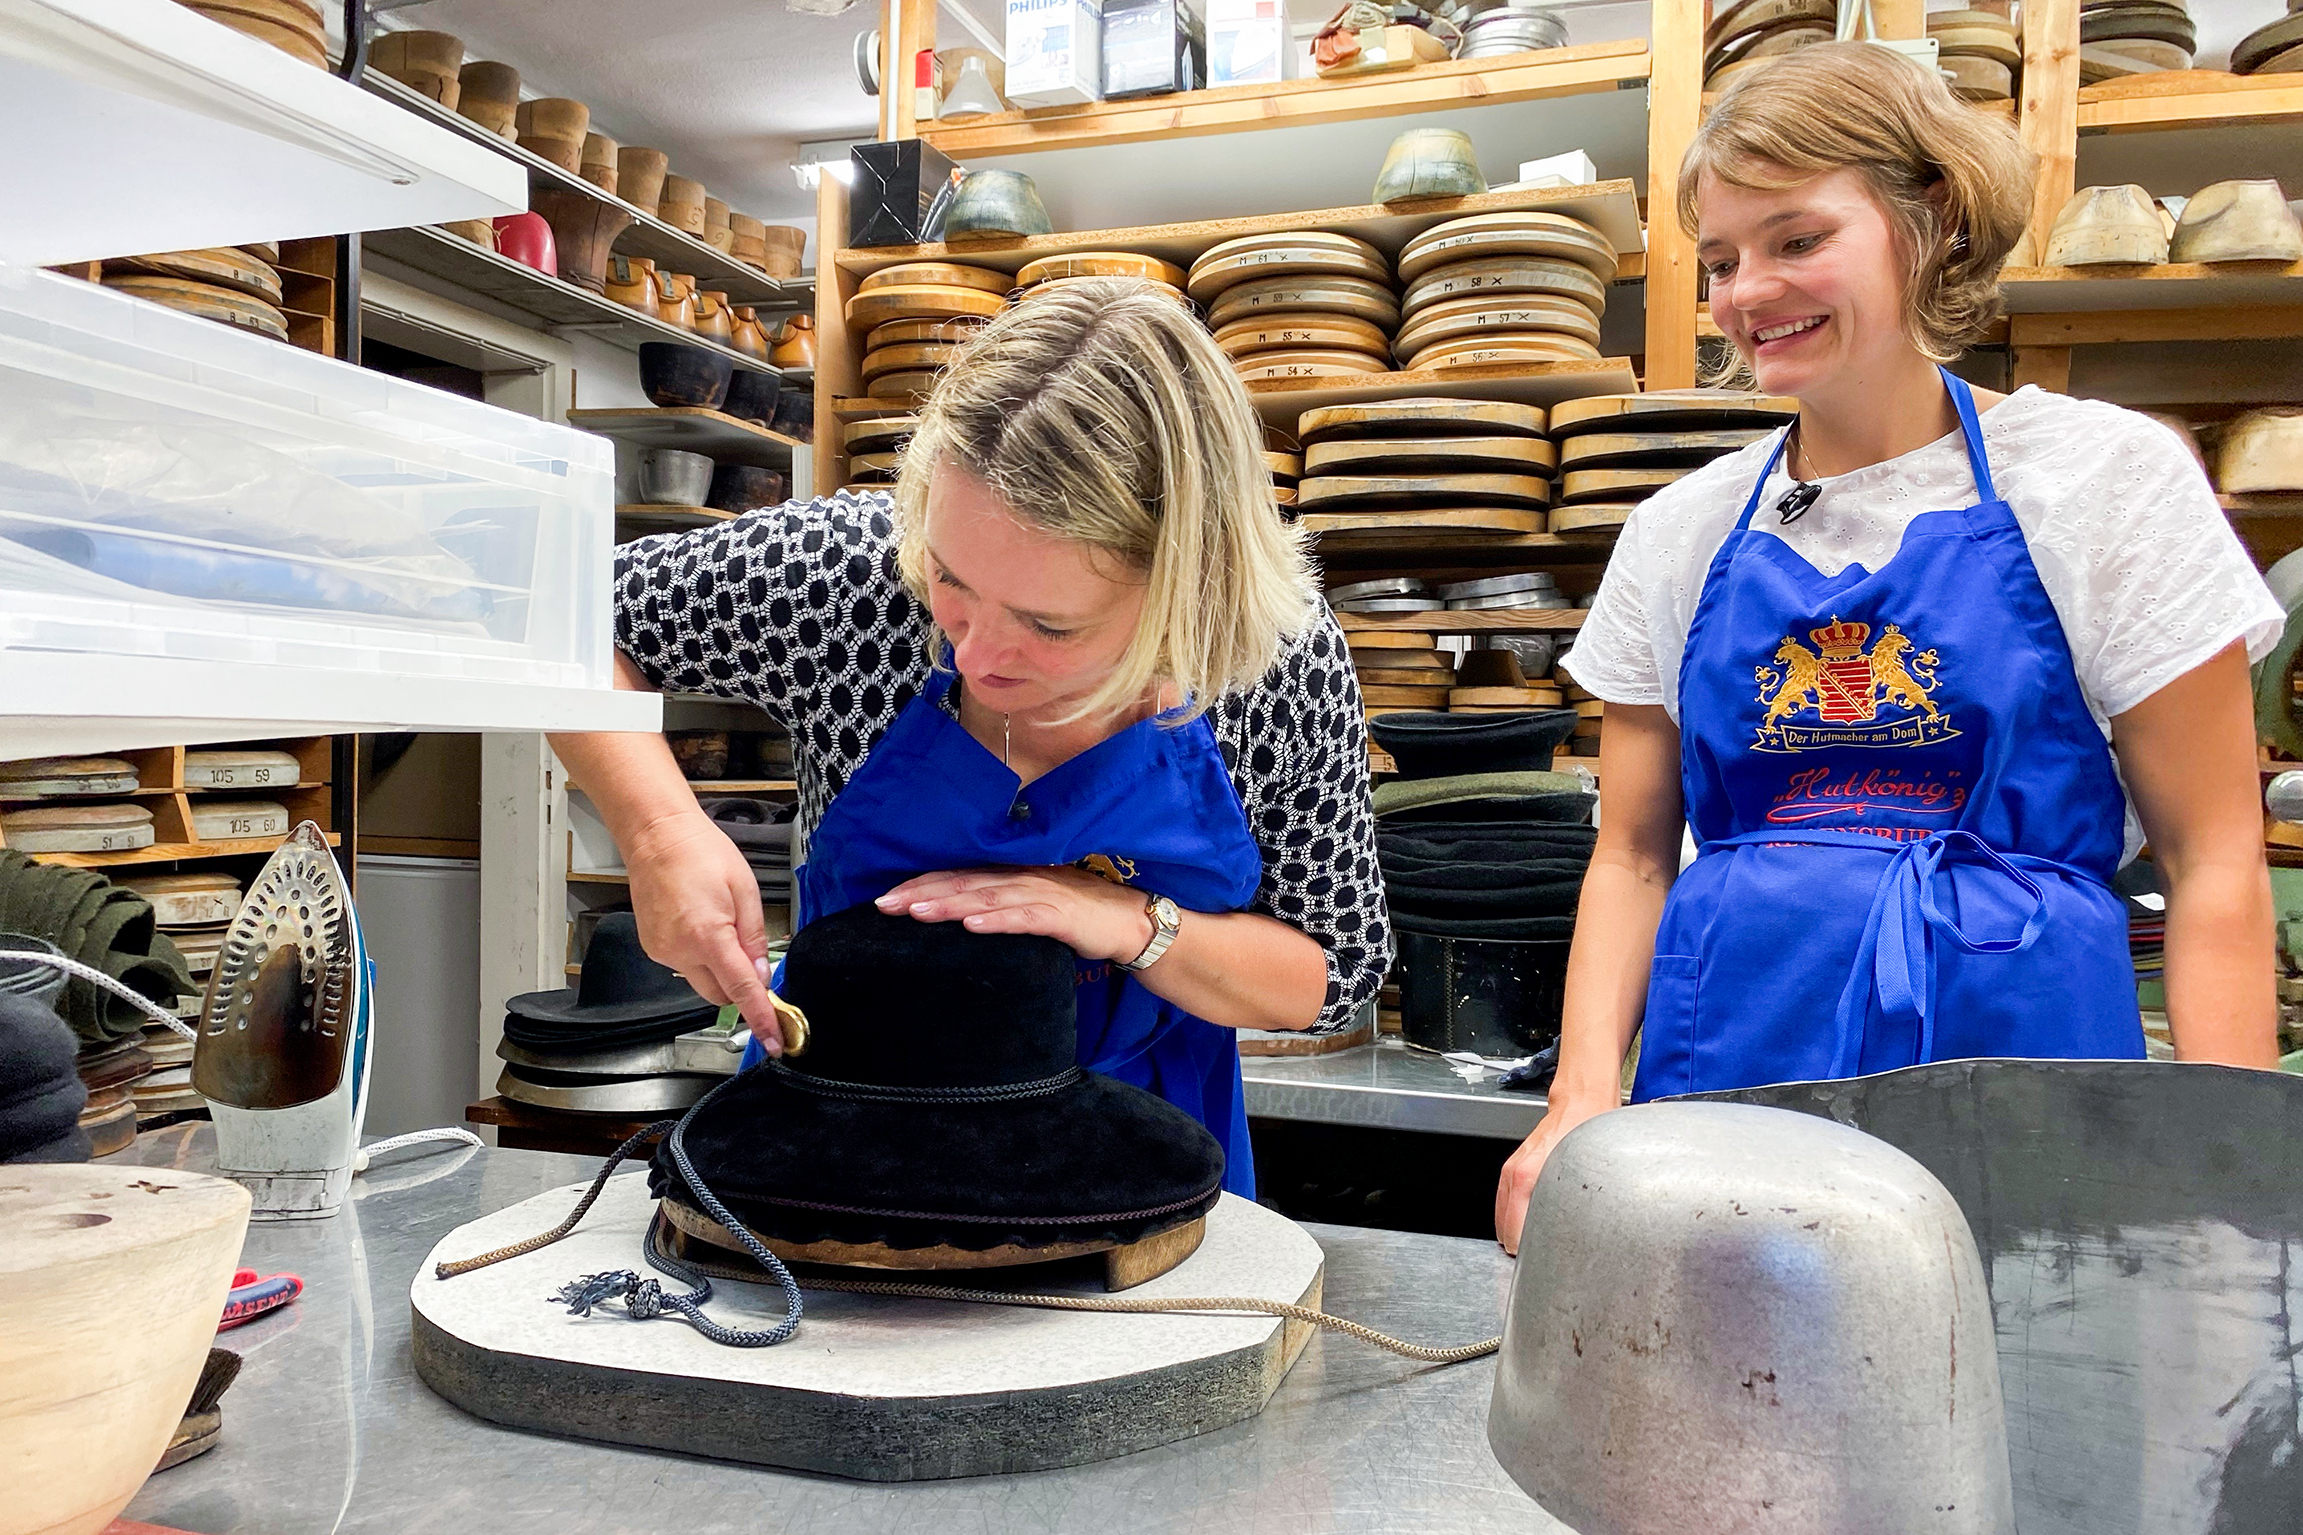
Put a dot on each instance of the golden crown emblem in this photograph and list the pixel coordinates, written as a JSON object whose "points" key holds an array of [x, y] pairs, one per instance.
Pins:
{"points": [[1838, 641]]}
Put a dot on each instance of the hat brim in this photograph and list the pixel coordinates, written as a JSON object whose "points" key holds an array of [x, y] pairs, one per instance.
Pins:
{"points": [[1093, 1161], [559, 1010]]}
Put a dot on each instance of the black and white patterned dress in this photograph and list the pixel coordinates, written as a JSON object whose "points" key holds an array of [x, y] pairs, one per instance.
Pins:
{"points": [[799, 610]]}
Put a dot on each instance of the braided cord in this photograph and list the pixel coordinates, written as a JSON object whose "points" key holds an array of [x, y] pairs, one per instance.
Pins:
{"points": [[1293, 1313], [872, 1092], [103, 982]]}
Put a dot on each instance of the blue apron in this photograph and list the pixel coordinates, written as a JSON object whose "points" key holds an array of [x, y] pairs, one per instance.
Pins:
{"points": [[1907, 818], [1152, 806]]}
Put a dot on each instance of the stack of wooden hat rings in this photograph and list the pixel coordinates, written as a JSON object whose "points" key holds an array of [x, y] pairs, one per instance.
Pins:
{"points": [[553, 128], [1503, 288], [1407, 469], [429, 62], [233, 284], [2275, 48], [1980, 51], [1399, 668], [1298, 306], [1286, 466], [1616, 450], [2118, 38], [876, 449], [1751, 34], [1497, 679], [1054, 274], [292, 26], [489, 94], [915, 317]]}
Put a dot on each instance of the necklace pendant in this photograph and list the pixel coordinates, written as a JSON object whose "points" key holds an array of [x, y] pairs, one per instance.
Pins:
{"points": [[1797, 500]]}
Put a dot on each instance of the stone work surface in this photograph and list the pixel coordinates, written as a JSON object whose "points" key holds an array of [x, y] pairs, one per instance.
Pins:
{"points": [[872, 1387]]}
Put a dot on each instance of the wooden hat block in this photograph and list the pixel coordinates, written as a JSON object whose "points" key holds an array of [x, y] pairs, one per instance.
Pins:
{"points": [[874, 1387]]}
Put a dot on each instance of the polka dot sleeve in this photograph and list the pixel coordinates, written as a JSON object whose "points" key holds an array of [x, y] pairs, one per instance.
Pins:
{"points": [[799, 610]]}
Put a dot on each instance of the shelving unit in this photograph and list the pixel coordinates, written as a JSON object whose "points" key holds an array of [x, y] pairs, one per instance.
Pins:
{"points": [[724, 438], [160, 783], [647, 236], [559, 304]]}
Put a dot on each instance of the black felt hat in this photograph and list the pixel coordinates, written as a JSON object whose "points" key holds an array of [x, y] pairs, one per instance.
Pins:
{"points": [[621, 997], [938, 1103], [1444, 745]]}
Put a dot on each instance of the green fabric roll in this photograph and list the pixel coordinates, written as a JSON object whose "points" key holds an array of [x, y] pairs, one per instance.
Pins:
{"points": [[1416, 793], [100, 924]]}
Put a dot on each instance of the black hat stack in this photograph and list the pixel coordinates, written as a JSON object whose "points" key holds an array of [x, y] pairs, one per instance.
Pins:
{"points": [[1483, 849], [762, 832], [612, 1042]]}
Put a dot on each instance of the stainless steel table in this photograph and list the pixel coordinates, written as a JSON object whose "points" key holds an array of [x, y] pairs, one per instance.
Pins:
{"points": [[328, 1428], [1387, 1086]]}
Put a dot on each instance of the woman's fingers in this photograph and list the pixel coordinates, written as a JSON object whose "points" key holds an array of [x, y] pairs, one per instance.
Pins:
{"points": [[934, 887], [1025, 917], [743, 980]]}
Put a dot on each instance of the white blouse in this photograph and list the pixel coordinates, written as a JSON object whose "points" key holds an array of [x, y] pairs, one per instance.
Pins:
{"points": [[2135, 554]]}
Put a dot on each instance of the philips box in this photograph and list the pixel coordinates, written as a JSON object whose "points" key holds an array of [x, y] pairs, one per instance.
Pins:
{"points": [[1055, 52]]}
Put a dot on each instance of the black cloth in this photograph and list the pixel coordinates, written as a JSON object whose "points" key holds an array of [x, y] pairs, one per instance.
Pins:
{"points": [[1447, 745], [1571, 809], [938, 1103], [100, 924], [41, 1095]]}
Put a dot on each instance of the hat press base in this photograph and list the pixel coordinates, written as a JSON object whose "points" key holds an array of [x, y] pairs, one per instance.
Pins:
{"points": [[699, 1238], [873, 1387]]}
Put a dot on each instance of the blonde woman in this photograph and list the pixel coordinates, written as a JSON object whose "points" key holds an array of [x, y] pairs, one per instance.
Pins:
{"points": [[1074, 680], [1893, 664]]}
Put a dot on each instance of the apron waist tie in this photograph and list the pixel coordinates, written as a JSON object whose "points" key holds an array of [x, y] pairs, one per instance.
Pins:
{"points": [[1895, 962]]}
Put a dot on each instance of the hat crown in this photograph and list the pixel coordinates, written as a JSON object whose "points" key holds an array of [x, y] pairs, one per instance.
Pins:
{"points": [[898, 1002], [617, 971]]}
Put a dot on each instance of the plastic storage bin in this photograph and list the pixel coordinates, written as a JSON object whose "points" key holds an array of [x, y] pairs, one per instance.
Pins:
{"points": [[170, 486]]}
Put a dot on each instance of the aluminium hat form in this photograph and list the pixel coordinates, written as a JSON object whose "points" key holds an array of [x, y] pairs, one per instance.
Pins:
{"points": [[938, 1105]]}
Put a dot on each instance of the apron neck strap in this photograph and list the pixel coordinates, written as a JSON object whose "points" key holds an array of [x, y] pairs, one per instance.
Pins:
{"points": [[1970, 432], [1776, 457]]}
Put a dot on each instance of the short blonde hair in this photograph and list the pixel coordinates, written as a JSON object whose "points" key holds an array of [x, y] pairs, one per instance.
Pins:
{"points": [[1103, 412], [1858, 106]]}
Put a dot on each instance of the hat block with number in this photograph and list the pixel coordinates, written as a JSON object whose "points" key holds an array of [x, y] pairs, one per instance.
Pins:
{"points": [[938, 1119]]}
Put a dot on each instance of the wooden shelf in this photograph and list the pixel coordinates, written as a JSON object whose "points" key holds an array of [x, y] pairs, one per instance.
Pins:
{"points": [[1338, 547], [724, 438], [2269, 503], [745, 785], [672, 516], [1612, 207], [167, 852], [672, 249], [1576, 71], [1542, 383], [2189, 98], [561, 305], [2078, 290], [1492, 620]]}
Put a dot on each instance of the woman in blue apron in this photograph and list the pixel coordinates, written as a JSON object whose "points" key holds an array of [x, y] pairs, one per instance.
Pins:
{"points": [[1071, 679], [1880, 660]]}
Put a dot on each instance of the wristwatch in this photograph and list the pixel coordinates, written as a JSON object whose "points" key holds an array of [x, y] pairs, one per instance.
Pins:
{"points": [[1167, 920]]}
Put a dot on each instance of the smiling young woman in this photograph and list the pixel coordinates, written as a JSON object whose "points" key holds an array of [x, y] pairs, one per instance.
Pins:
{"points": [[1074, 679], [1909, 670]]}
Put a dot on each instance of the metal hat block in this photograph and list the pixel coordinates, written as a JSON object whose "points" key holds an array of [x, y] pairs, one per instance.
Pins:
{"points": [[1736, 1318]]}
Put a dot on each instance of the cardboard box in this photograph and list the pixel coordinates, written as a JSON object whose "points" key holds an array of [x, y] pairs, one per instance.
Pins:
{"points": [[1054, 52], [898, 193], [1152, 48]]}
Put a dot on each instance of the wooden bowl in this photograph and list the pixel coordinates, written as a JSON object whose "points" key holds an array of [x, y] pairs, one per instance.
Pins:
{"points": [[640, 176], [701, 754], [682, 205], [111, 1280], [490, 96], [744, 488], [423, 61], [795, 415], [599, 162], [752, 396], [672, 374]]}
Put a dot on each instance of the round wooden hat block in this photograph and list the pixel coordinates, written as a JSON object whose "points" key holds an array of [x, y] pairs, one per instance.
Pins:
{"points": [[1358, 297], [872, 1387]]}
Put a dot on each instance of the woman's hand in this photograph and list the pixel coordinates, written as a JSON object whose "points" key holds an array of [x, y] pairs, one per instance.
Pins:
{"points": [[698, 905], [1100, 920], [1519, 1173]]}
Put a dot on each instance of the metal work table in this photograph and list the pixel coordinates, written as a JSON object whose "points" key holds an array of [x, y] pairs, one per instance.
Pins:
{"points": [[1387, 1086], [328, 1428]]}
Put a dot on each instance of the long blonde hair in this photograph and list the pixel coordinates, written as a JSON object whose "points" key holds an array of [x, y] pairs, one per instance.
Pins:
{"points": [[1103, 412], [1954, 183]]}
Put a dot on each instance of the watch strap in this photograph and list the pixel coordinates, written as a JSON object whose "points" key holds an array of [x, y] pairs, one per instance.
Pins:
{"points": [[1167, 921]]}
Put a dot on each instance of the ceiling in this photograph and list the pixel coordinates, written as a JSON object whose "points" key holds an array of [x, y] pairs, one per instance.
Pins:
{"points": [[728, 88]]}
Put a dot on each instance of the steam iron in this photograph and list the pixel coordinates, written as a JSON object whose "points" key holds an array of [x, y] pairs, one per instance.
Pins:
{"points": [[282, 1055]]}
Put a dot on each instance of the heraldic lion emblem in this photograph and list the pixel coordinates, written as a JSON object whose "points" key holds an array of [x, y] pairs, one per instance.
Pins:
{"points": [[1843, 687]]}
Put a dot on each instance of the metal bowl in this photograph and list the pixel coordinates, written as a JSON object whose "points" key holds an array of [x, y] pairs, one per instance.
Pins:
{"points": [[672, 477]]}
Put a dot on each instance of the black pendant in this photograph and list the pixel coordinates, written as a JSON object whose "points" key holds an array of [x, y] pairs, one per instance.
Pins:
{"points": [[1797, 500]]}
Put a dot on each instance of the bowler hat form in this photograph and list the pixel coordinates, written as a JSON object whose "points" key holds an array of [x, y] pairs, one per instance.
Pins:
{"points": [[938, 1103], [619, 992]]}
